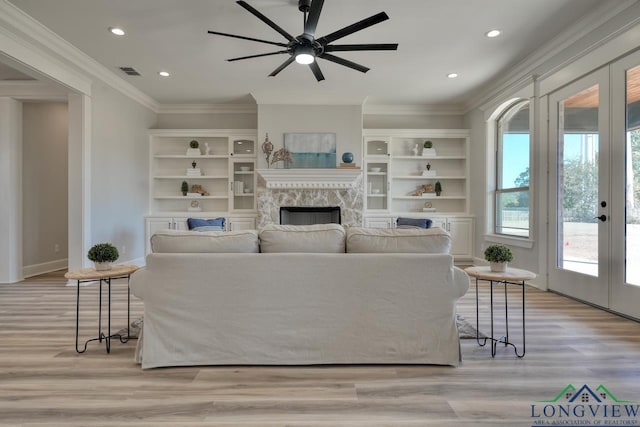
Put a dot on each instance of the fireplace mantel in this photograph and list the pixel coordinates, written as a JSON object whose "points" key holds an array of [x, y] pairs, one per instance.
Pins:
{"points": [[309, 178]]}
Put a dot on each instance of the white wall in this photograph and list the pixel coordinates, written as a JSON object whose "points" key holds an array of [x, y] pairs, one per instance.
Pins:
{"points": [[44, 185], [344, 120], [207, 121], [563, 66], [119, 171], [10, 190], [414, 121]]}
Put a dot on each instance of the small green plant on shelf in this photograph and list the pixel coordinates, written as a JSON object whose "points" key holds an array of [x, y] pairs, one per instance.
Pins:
{"points": [[428, 144], [103, 254], [438, 188], [194, 144], [184, 188]]}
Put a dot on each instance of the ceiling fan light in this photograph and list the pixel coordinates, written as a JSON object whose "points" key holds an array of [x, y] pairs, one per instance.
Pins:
{"points": [[305, 58]]}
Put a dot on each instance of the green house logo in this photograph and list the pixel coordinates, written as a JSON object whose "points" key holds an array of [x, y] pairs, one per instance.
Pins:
{"points": [[586, 406]]}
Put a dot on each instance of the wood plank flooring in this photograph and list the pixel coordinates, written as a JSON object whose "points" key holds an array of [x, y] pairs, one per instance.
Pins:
{"points": [[44, 382]]}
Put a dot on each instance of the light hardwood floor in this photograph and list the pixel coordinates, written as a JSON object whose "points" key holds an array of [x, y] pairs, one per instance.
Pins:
{"points": [[44, 382]]}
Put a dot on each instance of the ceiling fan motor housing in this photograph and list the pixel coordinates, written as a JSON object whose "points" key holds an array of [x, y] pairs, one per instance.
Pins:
{"points": [[304, 5]]}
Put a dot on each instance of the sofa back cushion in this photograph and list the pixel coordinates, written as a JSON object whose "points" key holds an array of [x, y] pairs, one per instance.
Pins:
{"points": [[175, 241], [395, 240], [325, 238]]}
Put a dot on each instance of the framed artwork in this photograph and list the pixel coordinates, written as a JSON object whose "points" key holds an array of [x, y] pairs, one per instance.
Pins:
{"points": [[311, 150]]}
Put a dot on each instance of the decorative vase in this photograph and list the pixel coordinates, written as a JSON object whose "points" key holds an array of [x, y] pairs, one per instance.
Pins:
{"points": [[347, 157], [102, 266], [498, 267]]}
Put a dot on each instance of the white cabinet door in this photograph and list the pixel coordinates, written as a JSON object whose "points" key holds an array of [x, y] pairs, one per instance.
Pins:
{"points": [[237, 224], [379, 222], [153, 225], [461, 230]]}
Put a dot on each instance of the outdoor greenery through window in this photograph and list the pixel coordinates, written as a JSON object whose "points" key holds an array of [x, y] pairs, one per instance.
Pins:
{"points": [[512, 174]]}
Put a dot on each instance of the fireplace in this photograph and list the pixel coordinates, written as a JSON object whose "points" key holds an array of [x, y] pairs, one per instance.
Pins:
{"points": [[307, 215]]}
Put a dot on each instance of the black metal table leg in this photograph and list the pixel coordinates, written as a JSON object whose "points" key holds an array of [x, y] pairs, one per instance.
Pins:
{"points": [[483, 343], [506, 313]]}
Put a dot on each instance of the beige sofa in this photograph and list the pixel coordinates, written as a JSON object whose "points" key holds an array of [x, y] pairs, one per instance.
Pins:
{"points": [[314, 295]]}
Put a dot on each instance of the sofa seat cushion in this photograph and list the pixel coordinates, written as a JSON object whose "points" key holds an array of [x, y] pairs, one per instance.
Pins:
{"points": [[413, 240], [318, 238], [176, 241]]}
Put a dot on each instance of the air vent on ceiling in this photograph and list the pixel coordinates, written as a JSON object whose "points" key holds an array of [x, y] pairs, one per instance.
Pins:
{"points": [[130, 71]]}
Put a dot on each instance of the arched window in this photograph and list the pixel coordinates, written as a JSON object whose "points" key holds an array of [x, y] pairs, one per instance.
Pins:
{"points": [[512, 171]]}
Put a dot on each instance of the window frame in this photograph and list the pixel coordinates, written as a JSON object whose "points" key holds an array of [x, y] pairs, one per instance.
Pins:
{"points": [[511, 109]]}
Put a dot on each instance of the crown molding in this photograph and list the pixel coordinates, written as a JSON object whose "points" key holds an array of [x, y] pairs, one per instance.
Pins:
{"points": [[24, 26], [412, 110], [207, 109], [31, 90], [524, 68]]}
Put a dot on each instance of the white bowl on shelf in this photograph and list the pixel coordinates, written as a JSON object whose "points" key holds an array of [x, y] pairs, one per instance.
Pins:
{"points": [[245, 168], [375, 169], [375, 191]]}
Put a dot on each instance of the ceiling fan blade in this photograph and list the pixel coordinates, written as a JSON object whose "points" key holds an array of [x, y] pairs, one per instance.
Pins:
{"points": [[312, 19], [344, 62], [361, 25], [246, 38], [315, 68], [257, 56], [284, 65], [354, 47], [266, 20]]}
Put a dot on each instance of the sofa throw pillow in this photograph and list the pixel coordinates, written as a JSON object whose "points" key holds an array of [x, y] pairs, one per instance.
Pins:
{"points": [[414, 222], [199, 224], [176, 241], [318, 238], [396, 240]]}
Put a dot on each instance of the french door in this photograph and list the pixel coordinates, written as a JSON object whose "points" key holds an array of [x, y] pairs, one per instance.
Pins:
{"points": [[594, 202]]}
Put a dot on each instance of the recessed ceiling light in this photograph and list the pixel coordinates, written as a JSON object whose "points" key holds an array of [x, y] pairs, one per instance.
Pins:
{"points": [[493, 33], [117, 31], [452, 75], [164, 73]]}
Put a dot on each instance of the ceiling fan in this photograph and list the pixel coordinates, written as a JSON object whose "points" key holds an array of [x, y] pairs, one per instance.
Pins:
{"points": [[306, 48]]}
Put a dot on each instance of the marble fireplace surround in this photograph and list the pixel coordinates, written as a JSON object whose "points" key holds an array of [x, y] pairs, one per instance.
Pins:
{"points": [[309, 187]]}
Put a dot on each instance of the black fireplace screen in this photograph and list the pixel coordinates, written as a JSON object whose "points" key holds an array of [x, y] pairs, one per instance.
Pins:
{"points": [[307, 215]]}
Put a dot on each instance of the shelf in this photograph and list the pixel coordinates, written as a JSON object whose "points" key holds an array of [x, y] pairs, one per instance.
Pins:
{"points": [[377, 173], [243, 173], [376, 195], [190, 198], [183, 156], [434, 197], [244, 195], [429, 158], [408, 177], [192, 177]]}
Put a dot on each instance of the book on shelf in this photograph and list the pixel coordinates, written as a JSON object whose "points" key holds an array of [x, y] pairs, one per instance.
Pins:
{"points": [[348, 166]]}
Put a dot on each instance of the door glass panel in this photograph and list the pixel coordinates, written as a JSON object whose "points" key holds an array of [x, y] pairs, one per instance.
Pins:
{"points": [[632, 241], [578, 182]]}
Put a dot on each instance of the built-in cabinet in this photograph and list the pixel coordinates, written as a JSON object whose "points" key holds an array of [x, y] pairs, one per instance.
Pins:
{"points": [[220, 175], [402, 176]]}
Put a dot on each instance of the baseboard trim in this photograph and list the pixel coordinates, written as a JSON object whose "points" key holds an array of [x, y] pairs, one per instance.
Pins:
{"points": [[45, 267]]}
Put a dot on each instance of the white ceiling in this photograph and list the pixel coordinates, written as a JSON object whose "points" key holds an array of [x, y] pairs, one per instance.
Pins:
{"points": [[435, 37]]}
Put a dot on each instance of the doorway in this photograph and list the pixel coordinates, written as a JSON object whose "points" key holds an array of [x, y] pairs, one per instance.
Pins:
{"points": [[594, 202]]}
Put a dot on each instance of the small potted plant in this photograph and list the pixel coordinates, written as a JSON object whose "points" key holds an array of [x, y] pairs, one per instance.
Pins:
{"points": [[438, 188], [427, 149], [498, 257], [193, 149], [185, 188], [102, 255]]}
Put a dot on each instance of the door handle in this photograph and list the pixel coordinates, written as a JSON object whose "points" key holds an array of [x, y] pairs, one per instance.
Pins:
{"points": [[602, 217]]}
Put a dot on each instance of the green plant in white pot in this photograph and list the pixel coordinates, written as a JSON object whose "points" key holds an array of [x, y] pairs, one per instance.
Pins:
{"points": [[102, 255], [498, 257]]}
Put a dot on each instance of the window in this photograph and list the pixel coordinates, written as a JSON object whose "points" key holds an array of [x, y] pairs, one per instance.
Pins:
{"points": [[512, 171]]}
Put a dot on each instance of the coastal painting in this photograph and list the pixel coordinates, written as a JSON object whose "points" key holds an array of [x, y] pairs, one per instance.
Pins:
{"points": [[311, 150]]}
